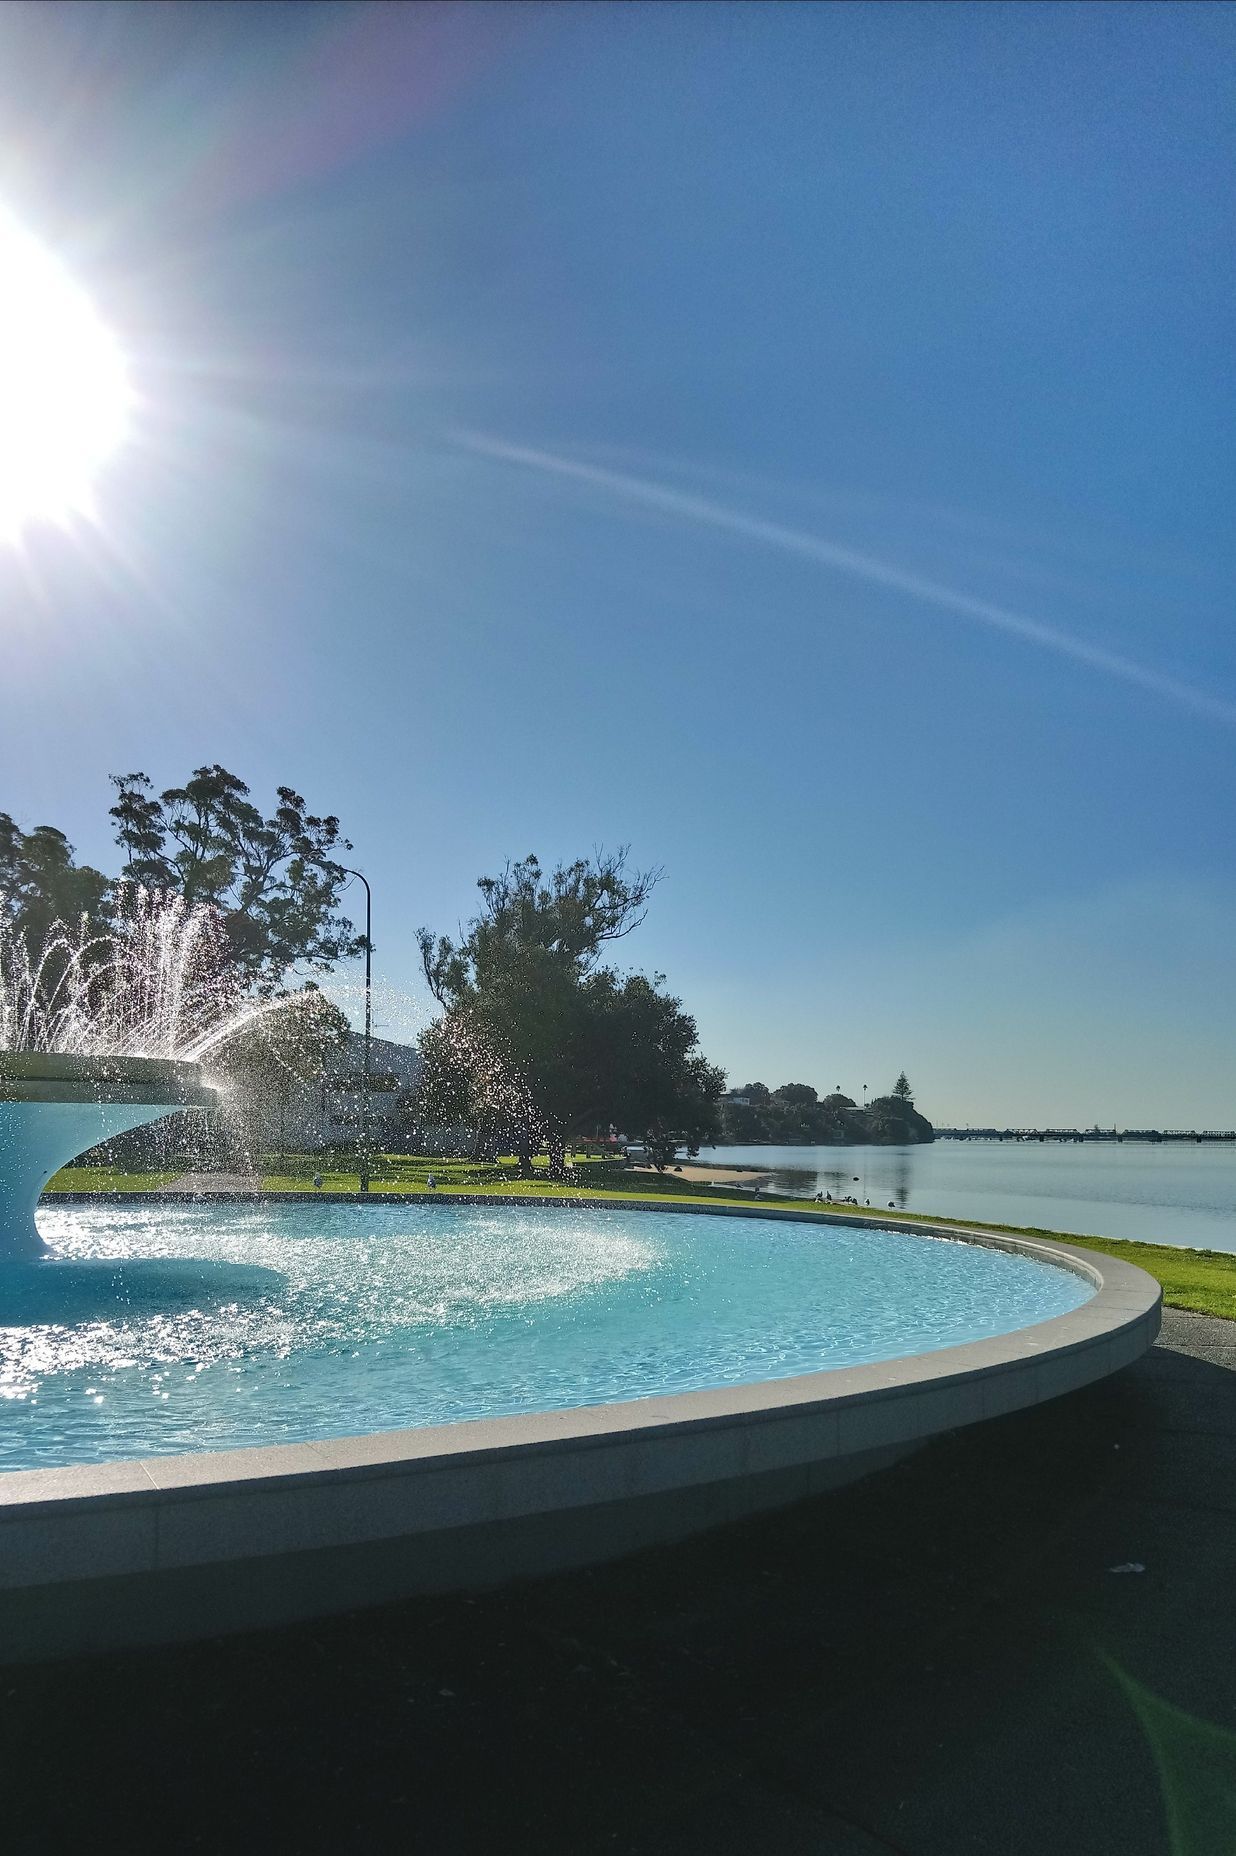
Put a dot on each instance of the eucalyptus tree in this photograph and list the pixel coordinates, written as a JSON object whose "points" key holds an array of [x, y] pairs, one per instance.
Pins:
{"points": [[275, 880]]}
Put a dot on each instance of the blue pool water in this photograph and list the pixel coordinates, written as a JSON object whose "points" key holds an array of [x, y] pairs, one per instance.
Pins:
{"points": [[277, 1324]]}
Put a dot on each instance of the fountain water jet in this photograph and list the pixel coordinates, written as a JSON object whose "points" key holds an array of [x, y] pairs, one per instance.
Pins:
{"points": [[158, 983], [99, 1034]]}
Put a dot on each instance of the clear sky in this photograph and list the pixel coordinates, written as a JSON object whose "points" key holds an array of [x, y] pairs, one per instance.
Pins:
{"points": [[796, 441]]}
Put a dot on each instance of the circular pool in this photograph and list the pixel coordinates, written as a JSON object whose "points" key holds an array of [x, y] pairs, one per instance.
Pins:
{"points": [[211, 1327], [227, 1415]]}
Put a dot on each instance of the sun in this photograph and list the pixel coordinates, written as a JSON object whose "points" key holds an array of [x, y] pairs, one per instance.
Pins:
{"points": [[65, 397]]}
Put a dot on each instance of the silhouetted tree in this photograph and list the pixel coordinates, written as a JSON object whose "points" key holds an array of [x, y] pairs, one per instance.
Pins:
{"points": [[794, 1115], [40, 883], [276, 881], [536, 1032]]}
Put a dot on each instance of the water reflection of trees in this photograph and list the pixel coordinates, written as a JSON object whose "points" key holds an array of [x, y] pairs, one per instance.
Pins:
{"points": [[797, 1182], [885, 1173]]}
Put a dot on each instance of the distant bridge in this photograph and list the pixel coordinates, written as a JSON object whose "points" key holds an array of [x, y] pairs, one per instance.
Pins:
{"points": [[1153, 1135]]}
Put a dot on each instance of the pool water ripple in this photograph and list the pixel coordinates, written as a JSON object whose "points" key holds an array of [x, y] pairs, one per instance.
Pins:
{"points": [[360, 1318]]}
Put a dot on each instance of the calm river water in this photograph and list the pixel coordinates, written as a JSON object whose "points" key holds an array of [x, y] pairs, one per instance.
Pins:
{"points": [[1164, 1194]]}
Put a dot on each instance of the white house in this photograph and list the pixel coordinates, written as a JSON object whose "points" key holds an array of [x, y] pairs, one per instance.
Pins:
{"points": [[327, 1113]]}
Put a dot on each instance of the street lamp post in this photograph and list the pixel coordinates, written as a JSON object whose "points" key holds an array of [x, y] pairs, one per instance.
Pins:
{"points": [[365, 1078]]}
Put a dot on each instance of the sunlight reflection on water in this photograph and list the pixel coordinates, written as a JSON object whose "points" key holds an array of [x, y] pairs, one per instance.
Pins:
{"points": [[299, 1321]]}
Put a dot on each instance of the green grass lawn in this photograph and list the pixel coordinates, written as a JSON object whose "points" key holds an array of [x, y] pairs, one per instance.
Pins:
{"points": [[105, 1179], [1203, 1281]]}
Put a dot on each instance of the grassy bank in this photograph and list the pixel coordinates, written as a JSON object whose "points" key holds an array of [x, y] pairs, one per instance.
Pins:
{"points": [[1203, 1281]]}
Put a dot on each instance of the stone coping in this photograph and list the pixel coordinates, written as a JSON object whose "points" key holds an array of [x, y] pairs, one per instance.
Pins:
{"points": [[154, 1513]]}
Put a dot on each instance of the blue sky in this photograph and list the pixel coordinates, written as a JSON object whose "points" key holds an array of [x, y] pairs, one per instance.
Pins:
{"points": [[796, 441]]}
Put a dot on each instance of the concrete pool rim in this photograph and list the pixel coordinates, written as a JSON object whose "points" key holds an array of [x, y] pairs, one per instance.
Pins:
{"points": [[155, 1548]]}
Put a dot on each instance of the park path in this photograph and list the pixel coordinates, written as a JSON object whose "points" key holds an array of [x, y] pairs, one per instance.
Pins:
{"points": [[216, 1182]]}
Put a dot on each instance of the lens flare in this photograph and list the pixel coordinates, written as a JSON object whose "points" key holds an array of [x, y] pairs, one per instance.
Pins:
{"points": [[65, 397]]}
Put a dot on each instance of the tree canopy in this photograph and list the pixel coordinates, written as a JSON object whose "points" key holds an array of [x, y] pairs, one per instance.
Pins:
{"points": [[40, 883], [272, 886], [567, 916], [793, 1115], [276, 881], [541, 1041]]}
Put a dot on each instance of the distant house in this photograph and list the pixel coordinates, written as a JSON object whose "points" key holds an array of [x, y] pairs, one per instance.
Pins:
{"points": [[327, 1113]]}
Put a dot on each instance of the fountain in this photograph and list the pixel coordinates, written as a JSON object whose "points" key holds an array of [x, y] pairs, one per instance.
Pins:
{"points": [[53, 1105], [100, 1033]]}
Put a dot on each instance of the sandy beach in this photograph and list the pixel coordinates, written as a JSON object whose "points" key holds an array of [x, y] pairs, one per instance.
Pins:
{"points": [[714, 1175]]}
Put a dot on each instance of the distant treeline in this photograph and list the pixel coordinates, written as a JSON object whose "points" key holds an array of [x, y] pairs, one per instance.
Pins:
{"points": [[796, 1115], [1086, 1134]]}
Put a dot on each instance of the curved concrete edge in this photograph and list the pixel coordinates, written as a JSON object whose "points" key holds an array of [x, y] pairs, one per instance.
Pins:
{"points": [[182, 1546], [168, 1101], [54, 1106], [38, 1137], [58, 1076]]}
